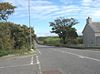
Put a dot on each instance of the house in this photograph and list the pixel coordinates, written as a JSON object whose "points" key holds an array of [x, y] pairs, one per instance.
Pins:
{"points": [[91, 33]]}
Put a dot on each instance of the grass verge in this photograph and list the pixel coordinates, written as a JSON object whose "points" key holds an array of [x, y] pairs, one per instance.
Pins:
{"points": [[16, 52]]}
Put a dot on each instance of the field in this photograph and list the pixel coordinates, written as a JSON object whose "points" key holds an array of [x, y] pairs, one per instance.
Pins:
{"points": [[55, 41]]}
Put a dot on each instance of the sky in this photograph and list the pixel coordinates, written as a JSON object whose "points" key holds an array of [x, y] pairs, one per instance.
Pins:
{"points": [[45, 11]]}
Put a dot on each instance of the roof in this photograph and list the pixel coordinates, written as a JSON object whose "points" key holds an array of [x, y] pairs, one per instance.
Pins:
{"points": [[95, 26]]}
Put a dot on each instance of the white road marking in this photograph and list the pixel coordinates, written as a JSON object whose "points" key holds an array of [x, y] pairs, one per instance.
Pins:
{"points": [[37, 59], [39, 52], [39, 66], [32, 57], [18, 65], [31, 60], [80, 56]]}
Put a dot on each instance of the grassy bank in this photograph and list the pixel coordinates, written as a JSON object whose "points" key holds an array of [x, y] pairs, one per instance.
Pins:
{"points": [[15, 52]]}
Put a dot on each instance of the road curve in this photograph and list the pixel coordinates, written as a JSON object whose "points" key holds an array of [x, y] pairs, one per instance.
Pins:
{"points": [[53, 60], [68, 61]]}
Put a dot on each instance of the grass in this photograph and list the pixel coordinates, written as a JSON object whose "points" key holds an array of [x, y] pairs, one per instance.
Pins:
{"points": [[4, 52], [52, 41], [15, 52], [55, 41]]}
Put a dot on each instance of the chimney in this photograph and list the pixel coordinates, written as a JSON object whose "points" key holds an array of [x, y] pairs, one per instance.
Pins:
{"points": [[89, 20]]}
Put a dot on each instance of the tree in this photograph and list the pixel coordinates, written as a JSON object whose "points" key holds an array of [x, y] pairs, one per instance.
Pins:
{"points": [[6, 9], [64, 28]]}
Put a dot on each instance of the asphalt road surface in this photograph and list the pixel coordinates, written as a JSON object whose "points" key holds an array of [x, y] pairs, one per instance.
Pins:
{"points": [[53, 60]]}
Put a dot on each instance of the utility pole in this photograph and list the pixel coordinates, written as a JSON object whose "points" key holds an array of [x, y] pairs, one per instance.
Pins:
{"points": [[30, 24], [34, 57]]}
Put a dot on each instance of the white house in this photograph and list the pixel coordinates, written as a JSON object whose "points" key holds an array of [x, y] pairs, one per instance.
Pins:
{"points": [[91, 33]]}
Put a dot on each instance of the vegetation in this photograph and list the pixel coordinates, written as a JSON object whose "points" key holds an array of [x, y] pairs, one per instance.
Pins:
{"points": [[6, 9], [55, 41], [14, 37], [64, 28]]}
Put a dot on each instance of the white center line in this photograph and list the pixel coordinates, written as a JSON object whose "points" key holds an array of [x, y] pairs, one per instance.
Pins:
{"points": [[80, 56]]}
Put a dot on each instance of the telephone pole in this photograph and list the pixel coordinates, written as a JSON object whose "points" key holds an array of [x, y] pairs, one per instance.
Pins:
{"points": [[30, 24]]}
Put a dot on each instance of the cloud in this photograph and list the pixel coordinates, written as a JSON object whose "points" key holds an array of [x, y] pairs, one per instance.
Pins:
{"points": [[41, 8], [46, 34], [46, 9], [86, 2], [68, 2], [49, 9], [96, 13], [91, 3]]}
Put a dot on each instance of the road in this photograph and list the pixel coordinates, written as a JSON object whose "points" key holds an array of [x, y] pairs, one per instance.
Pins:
{"points": [[53, 60]]}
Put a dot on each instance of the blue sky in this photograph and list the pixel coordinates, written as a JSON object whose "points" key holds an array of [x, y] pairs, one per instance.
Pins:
{"points": [[45, 11]]}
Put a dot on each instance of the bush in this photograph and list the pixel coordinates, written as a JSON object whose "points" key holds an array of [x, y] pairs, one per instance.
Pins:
{"points": [[4, 52], [14, 37], [55, 41]]}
